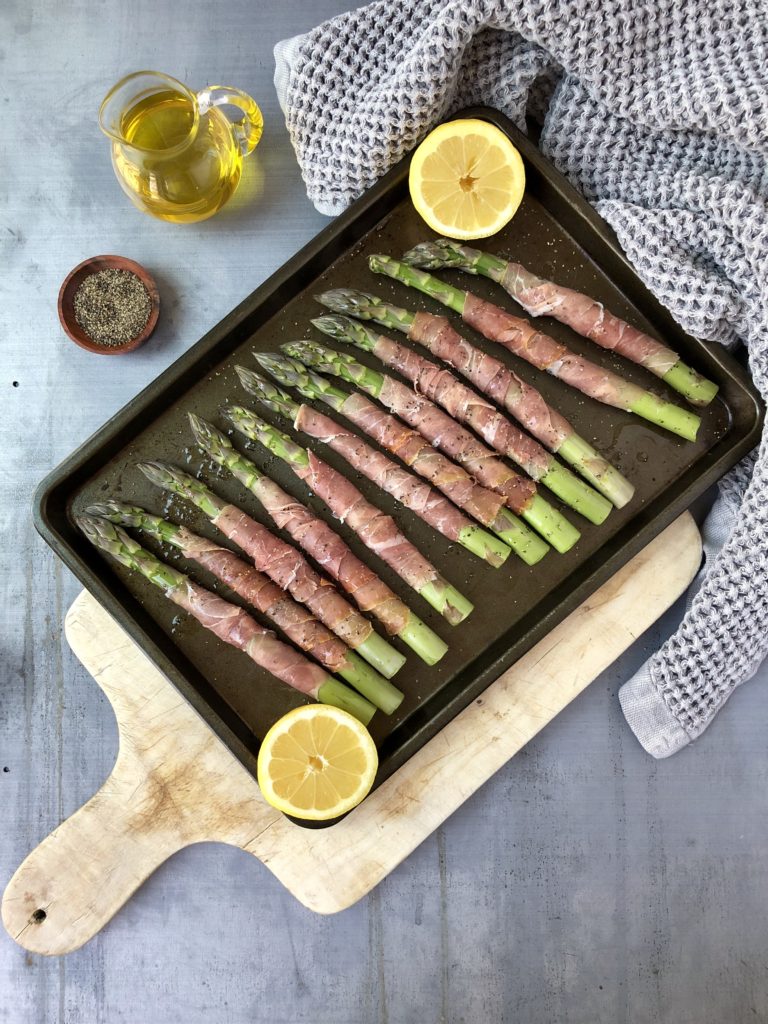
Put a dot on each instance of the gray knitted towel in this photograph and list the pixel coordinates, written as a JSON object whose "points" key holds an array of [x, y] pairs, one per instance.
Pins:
{"points": [[657, 110]]}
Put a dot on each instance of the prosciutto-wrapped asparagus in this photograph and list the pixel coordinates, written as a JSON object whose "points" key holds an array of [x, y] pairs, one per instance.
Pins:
{"points": [[443, 431], [228, 622], [586, 316], [377, 531], [488, 468], [484, 505], [321, 542], [298, 624], [405, 487], [492, 378], [444, 388], [283, 564], [544, 352]]}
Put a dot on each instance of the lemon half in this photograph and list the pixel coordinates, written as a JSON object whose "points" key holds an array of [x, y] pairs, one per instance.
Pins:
{"points": [[316, 762], [467, 179]]}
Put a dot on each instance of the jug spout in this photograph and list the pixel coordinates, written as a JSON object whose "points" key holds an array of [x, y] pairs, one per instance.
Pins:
{"points": [[124, 103]]}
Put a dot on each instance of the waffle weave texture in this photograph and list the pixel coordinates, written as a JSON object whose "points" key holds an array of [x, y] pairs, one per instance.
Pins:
{"points": [[657, 111]]}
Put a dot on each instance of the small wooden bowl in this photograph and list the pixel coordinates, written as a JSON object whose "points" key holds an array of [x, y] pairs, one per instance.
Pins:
{"points": [[67, 297]]}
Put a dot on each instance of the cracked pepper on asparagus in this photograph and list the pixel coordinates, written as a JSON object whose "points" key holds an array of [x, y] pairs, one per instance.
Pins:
{"points": [[410, 446], [413, 492], [227, 621], [443, 387], [295, 621], [588, 317], [283, 564], [378, 531], [320, 541], [439, 428], [542, 351], [494, 379]]}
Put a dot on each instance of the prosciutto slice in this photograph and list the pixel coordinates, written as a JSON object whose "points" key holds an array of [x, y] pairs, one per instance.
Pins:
{"points": [[236, 627], [410, 446], [445, 433], [412, 491], [545, 353], [464, 404], [492, 378], [298, 624], [331, 552], [586, 316], [291, 571], [378, 531]]}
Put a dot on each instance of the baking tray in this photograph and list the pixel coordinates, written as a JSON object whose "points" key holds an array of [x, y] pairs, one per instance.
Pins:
{"points": [[555, 233]]}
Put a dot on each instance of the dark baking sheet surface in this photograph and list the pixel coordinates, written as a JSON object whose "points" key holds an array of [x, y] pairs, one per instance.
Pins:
{"points": [[556, 234]]}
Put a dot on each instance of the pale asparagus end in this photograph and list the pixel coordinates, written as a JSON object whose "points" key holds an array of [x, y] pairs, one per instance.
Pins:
{"points": [[697, 389]]}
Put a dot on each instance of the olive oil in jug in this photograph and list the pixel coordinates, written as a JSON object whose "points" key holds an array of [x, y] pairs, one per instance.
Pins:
{"points": [[176, 154]]}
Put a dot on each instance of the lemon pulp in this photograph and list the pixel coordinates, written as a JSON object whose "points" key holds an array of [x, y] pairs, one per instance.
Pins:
{"points": [[467, 179], [316, 762]]}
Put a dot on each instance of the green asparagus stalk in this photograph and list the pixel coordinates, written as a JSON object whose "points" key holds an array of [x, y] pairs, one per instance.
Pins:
{"points": [[547, 520], [440, 594], [344, 621], [226, 566], [384, 472], [613, 390], [538, 513], [213, 612], [586, 316], [415, 633], [312, 386], [503, 435]]}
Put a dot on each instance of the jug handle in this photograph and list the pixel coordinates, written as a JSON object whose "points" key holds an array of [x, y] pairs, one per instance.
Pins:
{"points": [[248, 129]]}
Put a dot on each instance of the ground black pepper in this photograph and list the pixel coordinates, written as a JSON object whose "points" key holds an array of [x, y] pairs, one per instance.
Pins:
{"points": [[112, 306]]}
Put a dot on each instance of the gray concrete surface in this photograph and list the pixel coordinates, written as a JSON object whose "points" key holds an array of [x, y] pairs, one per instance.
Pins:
{"points": [[585, 883]]}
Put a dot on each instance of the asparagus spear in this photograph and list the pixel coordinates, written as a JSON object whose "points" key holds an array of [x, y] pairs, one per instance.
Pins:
{"points": [[544, 352], [229, 622], [540, 297], [427, 503], [283, 564], [323, 543], [440, 385], [494, 379], [378, 532], [439, 428], [391, 433], [298, 624]]}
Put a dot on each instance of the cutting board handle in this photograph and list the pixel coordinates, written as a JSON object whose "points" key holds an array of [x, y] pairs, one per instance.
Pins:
{"points": [[85, 870], [173, 784]]}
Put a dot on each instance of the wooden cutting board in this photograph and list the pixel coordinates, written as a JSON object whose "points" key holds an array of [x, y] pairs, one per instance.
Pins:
{"points": [[174, 782]]}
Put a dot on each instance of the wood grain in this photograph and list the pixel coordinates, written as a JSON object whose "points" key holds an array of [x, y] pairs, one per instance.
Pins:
{"points": [[174, 783]]}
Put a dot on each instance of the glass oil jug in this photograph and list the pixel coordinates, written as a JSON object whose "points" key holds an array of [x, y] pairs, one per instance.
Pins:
{"points": [[176, 153]]}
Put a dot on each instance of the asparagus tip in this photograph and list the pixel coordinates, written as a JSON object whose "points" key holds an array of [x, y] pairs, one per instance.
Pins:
{"points": [[206, 435], [89, 525], [344, 300], [378, 262], [156, 471], [334, 326], [251, 381], [107, 508]]}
